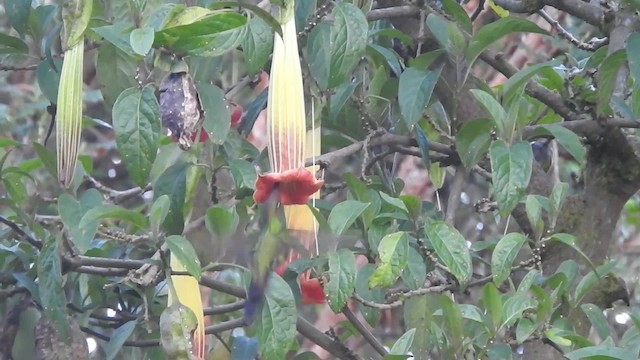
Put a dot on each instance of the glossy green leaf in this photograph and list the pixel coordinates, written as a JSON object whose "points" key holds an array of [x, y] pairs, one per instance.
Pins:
{"points": [[221, 220], [473, 141], [257, 45], [173, 183], [72, 210], [119, 35], [348, 41], [217, 119], [569, 140], [50, 283], [451, 248], [342, 279], [182, 249], [504, 254], [415, 273], [344, 214], [141, 40], [136, 123], [414, 93], [339, 98], [393, 252], [526, 327], [276, 327], [458, 13], [511, 168]]}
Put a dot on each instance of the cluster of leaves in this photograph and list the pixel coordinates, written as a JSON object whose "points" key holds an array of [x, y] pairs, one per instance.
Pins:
{"points": [[415, 258]]}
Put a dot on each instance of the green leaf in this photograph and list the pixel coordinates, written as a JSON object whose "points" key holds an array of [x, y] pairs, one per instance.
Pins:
{"points": [[569, 140], [244, 176], [393, 251], [319, 53], [209, 33], [48, 159], [342, 279], [50, 283], [71, 211], [451, 248], [348, 41], [598, 320], [493, 303], [276, 326], [570, 240], [257, 45], [159, 211], [141, 40], [414, 93], [118, 338], [114, 70], [496, 111], [473, 140], [592, 278], [459, 13], [182, 249], [12, 45], [515, 306], [403, 344], [504, 254], [217, 119], [362, 193], [136, 123], [633, 55], [340, 95], [344, 214], [221, 220], [418, 315], [49, 79], [491, 33], [521, 77], [116, 212], [525, 328], [606, 78], [416, 271], [173, 183], [17, 13], [602, 351], [117, 34], [511, 170], [453, 322]]}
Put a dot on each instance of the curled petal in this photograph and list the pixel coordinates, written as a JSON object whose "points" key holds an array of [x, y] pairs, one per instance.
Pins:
{"points": [[311, 291], [295, 187]]}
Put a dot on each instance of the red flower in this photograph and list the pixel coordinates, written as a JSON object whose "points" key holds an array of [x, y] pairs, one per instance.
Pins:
{"points": [[310, 289], [236, 115], [294, 186]]}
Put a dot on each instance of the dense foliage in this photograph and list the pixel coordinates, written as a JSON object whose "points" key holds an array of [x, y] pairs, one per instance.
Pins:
{"points": [[501, 254]]}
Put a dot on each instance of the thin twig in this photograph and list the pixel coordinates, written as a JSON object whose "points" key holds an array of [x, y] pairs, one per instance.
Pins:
{"points": [[593, 45], [477, 11], [364, 331], [30, 239]]}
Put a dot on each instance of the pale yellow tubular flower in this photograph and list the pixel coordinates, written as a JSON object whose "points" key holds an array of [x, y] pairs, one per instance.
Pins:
{"points": [[286, 113], [69, 113], [188, 292]]}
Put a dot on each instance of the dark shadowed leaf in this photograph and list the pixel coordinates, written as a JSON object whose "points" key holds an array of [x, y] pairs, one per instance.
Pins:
{"points": [[257, 45], [49, 79], [276, 327], [71, 211], [173, 182], [414, 93], [217, 119], [118, 337], [50, 283], [17, 12], [473, 140], [114, 68], [114, 212], [607, 77], [348, 41]]}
